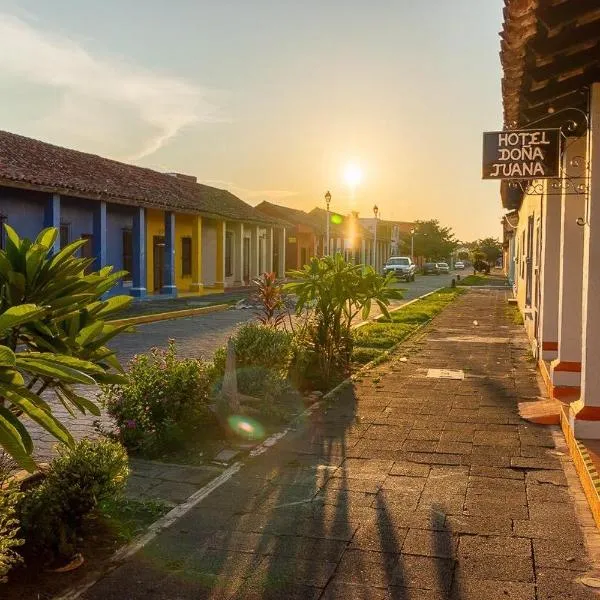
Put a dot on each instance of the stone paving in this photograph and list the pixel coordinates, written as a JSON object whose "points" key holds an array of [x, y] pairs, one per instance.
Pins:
{"points": [[196, 337], [406, 487]]}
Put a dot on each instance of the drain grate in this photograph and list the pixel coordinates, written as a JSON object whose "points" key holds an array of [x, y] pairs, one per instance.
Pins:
{"points": [[445, 374]]}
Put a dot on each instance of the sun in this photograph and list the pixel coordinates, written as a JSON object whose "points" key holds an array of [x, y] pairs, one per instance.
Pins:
{"points": [[353, 175]]}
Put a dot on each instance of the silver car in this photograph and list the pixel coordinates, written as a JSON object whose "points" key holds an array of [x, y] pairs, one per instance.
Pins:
{"points": [[401, 266], [443, 267]]}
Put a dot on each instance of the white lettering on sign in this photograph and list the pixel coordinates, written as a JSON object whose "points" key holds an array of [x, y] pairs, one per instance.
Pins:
{"points": [[521, 154]]}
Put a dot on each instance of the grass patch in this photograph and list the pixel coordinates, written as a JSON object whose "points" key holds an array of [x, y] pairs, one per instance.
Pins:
{"points": [[474, 280], [128, 518], [514, 314], [372, 340]]}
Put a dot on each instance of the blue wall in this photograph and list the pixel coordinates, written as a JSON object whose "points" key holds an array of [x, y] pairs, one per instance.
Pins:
{"points": [[24, 211]]}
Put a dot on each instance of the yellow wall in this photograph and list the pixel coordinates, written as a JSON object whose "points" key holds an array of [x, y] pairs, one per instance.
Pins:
{"points": [[155, 225]]}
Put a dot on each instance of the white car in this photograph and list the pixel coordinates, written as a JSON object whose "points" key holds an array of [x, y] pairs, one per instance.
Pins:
{"points": [[401, 266], [443, 267], [459, 265]]}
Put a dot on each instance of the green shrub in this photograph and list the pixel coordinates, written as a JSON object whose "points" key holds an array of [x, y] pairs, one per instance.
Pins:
{"points": [[258, 345], [10, 496], [52, 513], [163, 404]]}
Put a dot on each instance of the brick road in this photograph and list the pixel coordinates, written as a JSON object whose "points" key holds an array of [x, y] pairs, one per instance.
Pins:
{"points": [[408, 487], [196, 337]]}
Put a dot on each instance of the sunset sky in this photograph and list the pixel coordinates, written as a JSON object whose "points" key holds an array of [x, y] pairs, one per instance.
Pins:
{"points": [[274, 100]]}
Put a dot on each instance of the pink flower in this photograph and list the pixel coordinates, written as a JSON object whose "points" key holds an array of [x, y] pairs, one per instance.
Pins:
{"points": [[130, 424]]}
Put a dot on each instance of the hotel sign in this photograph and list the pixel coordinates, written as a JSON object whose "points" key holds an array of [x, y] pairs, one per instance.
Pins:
{"points": [[521, 154]]}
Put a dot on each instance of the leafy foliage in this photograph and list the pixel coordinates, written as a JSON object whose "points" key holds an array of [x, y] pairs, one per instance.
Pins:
{"points": [[489, 249], [53, 512], [333, 292], [269, 293], [163, 403], [10, 496], [433, 241], [257, 345], [52, 335]]}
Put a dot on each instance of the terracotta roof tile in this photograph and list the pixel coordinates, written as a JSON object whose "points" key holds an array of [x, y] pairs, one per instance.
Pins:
{"points": [[40, 165]]}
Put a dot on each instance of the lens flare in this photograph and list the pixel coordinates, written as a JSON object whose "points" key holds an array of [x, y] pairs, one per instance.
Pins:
{"points": [[336, 219], [246, 427]]}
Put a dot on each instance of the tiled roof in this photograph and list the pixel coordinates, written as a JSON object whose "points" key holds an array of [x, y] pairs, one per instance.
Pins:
{"points": [[340, 228], [293, 216], [27, 162]]}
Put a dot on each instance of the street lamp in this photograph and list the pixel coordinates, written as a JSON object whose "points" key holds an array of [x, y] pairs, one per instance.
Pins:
{"points": [[375, 212], [327, 202], [412, 244]]}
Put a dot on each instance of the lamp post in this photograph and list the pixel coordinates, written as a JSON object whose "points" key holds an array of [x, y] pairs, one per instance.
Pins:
{"points": [[375, 211], [412, 244], [327, 201]]}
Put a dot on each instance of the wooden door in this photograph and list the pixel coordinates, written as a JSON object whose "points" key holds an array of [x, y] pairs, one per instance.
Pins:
{"points": [[159, 262]]}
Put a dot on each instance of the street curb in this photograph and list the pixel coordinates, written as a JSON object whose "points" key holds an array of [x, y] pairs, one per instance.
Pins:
{"points": [[166, 316], [125, 552]]}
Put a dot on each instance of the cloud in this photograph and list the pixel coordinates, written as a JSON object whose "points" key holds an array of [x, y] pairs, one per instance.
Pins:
{"points": [[96, 91], [248, 194]]}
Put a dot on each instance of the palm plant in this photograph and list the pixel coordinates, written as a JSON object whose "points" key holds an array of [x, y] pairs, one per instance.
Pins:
{"points": [[53, 336], [334, 292]]}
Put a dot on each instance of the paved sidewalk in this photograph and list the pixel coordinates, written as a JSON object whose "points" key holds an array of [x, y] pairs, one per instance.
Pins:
{"points": [[408, 487]]}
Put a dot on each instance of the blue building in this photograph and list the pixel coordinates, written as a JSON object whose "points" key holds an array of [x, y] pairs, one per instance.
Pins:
{"points": [[173, 235]]}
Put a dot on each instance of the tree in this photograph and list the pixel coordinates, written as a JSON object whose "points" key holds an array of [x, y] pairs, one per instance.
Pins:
{"points": [[490, 247], [432, 241]]}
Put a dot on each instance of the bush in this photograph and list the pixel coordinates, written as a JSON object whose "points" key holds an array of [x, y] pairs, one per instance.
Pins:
{"points": [[52, 513], [10, 496], [163, 404], [365, 355], [258, 345]]}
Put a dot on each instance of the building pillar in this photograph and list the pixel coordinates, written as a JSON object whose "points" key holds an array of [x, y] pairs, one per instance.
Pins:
{"points": [[138, 233], [281, 258], [549, 271], [169, 288], [269, 244], [566, 368], [363, 251], [52, 218], [584, 414], [99, 235], [197, 284], [238, 254], [254, 247], [221, 228]]}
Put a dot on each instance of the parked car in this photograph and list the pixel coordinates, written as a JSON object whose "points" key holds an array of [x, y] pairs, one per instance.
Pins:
{"points": [[443, 267], [459, 265], [401, 266], [430, 269]]}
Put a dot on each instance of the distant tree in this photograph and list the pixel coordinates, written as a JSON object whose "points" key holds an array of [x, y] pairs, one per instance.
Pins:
{"points": [[463, 255], [432, 241], [490, 247]]}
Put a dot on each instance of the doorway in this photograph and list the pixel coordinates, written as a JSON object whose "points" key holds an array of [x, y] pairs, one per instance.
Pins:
{"points": [[303, 257], [159, 262]]}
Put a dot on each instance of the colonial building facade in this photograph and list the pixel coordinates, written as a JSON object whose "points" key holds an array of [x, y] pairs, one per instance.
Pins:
{"points": [[173, 235], [550, 54]]}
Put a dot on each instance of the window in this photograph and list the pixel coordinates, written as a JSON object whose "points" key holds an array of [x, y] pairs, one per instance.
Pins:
{"points": [[127, 253], [64, 235], [186, 257], [228, 253]]}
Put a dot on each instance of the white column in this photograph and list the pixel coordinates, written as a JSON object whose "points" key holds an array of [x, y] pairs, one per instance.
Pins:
{"points": [[584, 414], [549, 270], [363, 251], [269, 245], [281, 261], [254, 252], [238, 253], [566, 368]]}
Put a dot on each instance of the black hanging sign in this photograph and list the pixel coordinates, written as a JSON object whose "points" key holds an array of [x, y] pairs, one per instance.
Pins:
{"points": [[521, 154]]}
